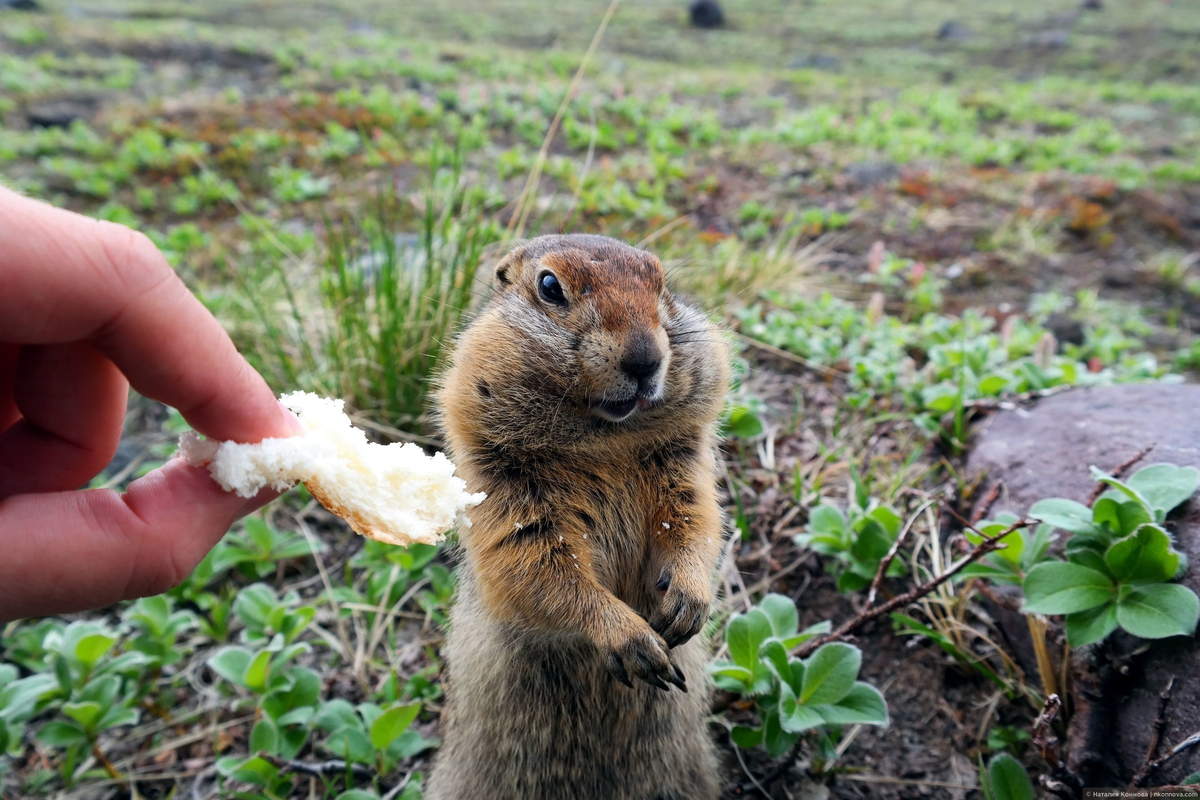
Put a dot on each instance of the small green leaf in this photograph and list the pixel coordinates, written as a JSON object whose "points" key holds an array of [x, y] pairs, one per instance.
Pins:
{"points": [[1121, 488], [829, 673], [257, 671], [117, 716], [889, 519], [1122, 518], [19, 699], [781, 611], [746, 738], [731, 671], [8, 674], [231, 663], [392, 723], [86, 714], [808, 633], [357, 794], [871, 544], [1066, 515], [351, 744], [61, 734], [850, 581], [90, 649], [1091, 626], [265, 736], [775, 655], [775, 738], [794, 717], [1191, 780], [337, 713], [1143, 557], [1087, 556], [1058, 587], [1156, 611], [863, 705], [827, 520], [746, 634], [257, 771], [260, 533], [1007, 779], [1165, 486]]}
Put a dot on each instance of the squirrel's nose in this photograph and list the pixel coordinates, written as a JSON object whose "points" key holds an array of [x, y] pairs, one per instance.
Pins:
{"points": [[642, 359]]}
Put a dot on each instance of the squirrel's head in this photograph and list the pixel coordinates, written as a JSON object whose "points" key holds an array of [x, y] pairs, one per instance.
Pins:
{"points": [[589, 334]]}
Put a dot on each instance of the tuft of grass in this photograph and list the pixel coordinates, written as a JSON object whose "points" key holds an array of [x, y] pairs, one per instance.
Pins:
{"points": [[385, 304], [397, 299]]}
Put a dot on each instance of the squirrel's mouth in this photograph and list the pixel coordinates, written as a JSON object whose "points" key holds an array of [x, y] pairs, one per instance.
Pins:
{"points": [[619, 410]]}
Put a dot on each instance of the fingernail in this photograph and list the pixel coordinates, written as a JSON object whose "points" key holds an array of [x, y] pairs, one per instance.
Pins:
{"points": [[294, 422]]}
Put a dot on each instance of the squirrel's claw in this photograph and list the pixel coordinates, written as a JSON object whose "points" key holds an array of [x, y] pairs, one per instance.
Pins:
{"points": [[680, 616], [617, 669], [644, 656]]}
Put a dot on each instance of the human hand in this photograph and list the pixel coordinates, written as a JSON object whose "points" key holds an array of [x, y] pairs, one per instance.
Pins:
{"points": [[86, 309]]}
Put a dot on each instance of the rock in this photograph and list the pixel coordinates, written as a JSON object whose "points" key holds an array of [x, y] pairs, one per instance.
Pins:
{"points": [[865, 174], [58, 113], [21, 5], [954, 31], [1045, 452], [706, 14]]}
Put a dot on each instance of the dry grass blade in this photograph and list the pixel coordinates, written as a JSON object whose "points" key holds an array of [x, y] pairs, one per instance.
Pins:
{"points": [[525, 201]]}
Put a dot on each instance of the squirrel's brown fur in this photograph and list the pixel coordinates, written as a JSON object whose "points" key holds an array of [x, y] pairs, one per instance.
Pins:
{"points": [[589, 564]]}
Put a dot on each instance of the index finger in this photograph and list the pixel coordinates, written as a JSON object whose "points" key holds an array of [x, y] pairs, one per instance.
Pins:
{"points": [[69, 278]]}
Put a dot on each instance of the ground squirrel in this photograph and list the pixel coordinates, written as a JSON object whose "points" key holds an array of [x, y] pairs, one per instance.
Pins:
{"points": [[583, 399]]}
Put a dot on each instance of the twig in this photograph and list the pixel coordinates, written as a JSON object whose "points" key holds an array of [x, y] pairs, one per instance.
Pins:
{"points": [[887, 560], [1119, 472], [1045, 741], [320, 769], [868, 613], [989, 500], [104, 762], [988, 403], [516, 225], [1160, 721], [784, 354], [737, 751]]}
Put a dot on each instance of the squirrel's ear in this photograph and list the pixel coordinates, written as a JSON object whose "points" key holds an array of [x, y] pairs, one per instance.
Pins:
{"points": [[506, 268]]}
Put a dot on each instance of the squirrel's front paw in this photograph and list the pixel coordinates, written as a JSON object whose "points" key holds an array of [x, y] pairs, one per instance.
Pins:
{"points": [[683, 609], [639, 652]]}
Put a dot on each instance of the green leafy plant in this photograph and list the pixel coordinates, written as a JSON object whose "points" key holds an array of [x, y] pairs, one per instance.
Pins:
{"points": [[371, 734], [266, 615], [1006, 779], [159, 625], [1120, 560], [792, 696], [256, 551], [855, 541]]}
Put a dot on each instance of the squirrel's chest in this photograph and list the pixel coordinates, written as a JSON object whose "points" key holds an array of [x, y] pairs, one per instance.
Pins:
{"points": [[620, 514]]}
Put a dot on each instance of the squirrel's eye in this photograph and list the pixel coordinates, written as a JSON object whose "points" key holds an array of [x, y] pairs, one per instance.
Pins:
{"points": [[550, 289]]}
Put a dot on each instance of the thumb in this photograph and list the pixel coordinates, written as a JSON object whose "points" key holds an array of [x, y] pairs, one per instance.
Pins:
{"points": [[68, 551]]}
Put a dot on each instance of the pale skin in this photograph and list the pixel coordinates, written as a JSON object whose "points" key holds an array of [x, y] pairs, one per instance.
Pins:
{"points": [[88, 309]]}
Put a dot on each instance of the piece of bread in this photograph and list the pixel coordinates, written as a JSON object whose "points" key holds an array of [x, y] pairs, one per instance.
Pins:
{"points": [[390, 493]]}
